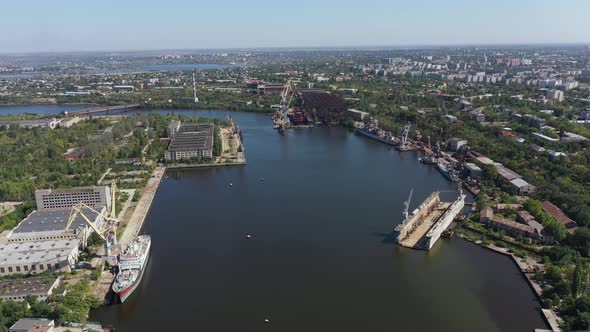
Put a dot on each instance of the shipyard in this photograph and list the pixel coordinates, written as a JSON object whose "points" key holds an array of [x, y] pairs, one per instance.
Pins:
{"points": [[127, 201], [424, 226]]}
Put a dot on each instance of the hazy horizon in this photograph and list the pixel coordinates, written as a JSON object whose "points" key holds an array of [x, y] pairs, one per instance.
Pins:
{"points": [[135, 26]]}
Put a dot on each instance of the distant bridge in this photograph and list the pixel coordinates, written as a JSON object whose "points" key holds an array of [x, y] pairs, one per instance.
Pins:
{"points": [[102, 109]]}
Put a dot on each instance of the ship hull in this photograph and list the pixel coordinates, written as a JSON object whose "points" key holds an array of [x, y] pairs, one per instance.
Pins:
{"points": [[124, 294], [446, 173], [435, 233], [375, 137]]}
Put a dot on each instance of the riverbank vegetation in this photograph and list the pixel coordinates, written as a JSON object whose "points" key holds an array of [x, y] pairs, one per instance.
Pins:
{"points": [[71, 307], [36, 158]]}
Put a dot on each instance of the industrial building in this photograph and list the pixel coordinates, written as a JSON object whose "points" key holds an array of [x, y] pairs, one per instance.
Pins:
{"points": [[97, 197], [357, 115], [19, 289], [561, 217], [522, 187], [46, 225], [33, 123], [38, 257], [270, 89], [192, 140], [32, 325], [456, 144], [473, 171]]}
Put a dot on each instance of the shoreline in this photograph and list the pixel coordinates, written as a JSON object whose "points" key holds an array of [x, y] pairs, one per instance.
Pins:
{"points": [[102, 288], [187, 166], [549, 315]]}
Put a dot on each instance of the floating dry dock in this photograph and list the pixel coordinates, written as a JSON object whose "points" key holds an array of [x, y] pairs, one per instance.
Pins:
{"points": [[424, 226]]}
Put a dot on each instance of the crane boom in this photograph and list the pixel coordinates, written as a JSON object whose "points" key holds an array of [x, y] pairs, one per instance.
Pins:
{"points": [[113, 200], [77, 210]]}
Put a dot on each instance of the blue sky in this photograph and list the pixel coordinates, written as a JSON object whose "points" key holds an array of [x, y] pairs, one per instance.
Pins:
{"points": [[67, 25]]}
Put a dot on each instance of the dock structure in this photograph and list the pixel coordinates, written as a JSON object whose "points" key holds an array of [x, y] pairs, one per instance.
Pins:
{"points": [[424, 226]]}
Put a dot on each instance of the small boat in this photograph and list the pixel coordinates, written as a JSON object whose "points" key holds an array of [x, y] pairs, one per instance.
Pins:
{"points": [[448, 233], [231, 184], [248, 236]]}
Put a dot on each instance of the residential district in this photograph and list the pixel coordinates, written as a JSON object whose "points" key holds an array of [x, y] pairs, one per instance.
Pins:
{"points": [[510, 125]]}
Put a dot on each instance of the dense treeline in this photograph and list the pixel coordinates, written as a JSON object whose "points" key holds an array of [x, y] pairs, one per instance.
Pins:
{"points": [[34, 158]]}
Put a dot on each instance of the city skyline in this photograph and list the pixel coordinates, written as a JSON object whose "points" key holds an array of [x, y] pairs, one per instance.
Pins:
{"points": [[138, 26]]}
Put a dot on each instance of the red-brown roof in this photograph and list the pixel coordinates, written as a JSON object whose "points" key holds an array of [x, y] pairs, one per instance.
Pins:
{"points": [[556, 213]]}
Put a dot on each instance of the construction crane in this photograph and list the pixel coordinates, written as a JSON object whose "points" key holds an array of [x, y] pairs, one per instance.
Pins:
{"points": [[404, 138], [196, 99], [107, 230], [406, 212], [407, 204], [288, 89]]}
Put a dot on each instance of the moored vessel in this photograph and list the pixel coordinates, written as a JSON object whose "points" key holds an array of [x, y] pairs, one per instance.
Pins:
{"points": [[448, 172], [132, 265], [373, 131]]}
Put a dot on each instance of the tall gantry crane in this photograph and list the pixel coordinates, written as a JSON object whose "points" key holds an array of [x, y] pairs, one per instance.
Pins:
{"points": [[106, 230], [288, 92], [406, 132]]}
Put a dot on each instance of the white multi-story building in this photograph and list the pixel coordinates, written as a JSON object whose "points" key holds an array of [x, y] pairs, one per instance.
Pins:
{"points": [[65, 198], [38, 257], [555, 95]]}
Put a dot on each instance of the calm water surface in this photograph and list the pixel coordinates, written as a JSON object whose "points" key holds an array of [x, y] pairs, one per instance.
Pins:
{"points": [[321, 257]]}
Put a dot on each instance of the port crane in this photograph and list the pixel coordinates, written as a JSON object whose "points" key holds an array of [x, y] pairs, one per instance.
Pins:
{"points": [[107, 229], [406, 211], [406, 132], [286, 93]]}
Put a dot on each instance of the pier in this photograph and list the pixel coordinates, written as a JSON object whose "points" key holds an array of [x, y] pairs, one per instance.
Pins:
{"points": [[102, 288], [135, 223]]}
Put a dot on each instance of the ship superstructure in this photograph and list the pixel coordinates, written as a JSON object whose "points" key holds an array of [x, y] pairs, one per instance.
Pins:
{"points": [[424, 226]]}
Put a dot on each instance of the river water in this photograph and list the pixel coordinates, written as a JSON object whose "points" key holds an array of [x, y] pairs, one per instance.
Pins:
{"points": [[321, 256]]}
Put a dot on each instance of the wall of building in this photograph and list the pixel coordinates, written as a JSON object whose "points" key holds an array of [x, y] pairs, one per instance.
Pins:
{"points": [[56, 199]]}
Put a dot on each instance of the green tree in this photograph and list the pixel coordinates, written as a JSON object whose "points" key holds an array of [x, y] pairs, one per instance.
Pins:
{"points": [[580, 280]]}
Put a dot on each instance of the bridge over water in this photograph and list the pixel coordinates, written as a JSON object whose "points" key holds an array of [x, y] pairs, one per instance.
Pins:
{"points": [[104, 109]]}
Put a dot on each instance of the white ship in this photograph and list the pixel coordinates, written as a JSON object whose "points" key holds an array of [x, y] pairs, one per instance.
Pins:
{"points": [[132, 264]]}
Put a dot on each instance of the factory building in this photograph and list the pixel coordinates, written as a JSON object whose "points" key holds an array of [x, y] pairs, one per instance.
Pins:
{"points": [[38, 257], [357, 115], [95, 197], [46, 225], [270, 89], [473, 171], [560, 216], [33, 325], [33, 123], [192, 140], [19, 289], [456, 144], [522, 187]]}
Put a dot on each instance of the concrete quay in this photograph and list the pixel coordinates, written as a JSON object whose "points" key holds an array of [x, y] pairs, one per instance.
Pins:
{"points": [[135, 223]]}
